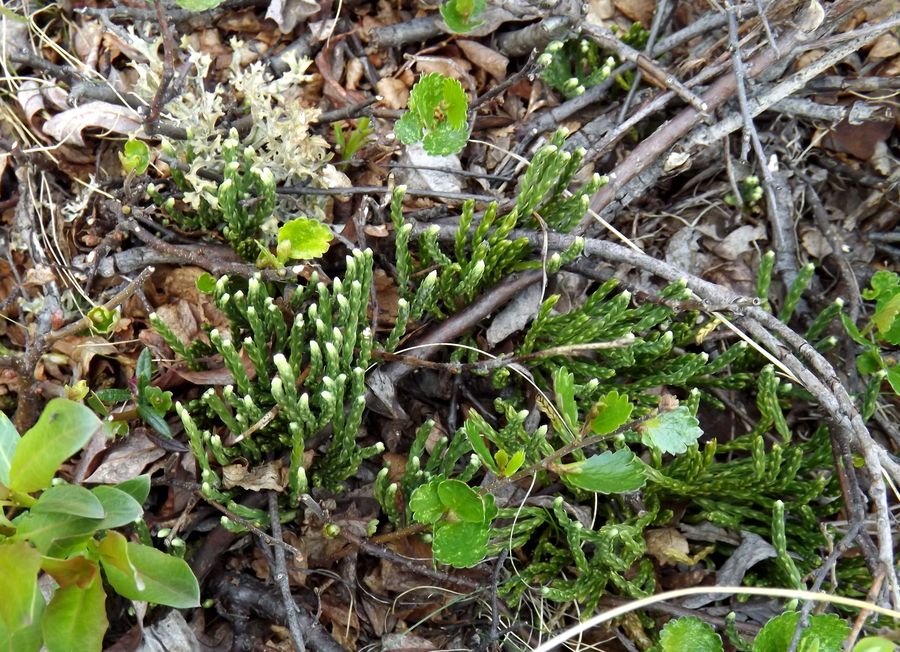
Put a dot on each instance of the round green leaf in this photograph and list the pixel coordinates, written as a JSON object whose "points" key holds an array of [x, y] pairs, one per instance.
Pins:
{"points": [[826, 633], [199, 5], [56, 535], [425, 503], [672, 431], [135, 157], [462, 500], [308, 238], [120, 508], [460, 544], [461, 15], [607, 473], [63, 428], [206, 283], [689, 633], [874, 644]]}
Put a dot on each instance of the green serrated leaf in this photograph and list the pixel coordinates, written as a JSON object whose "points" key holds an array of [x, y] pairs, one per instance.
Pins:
{"points": [[408, 128], [689, 633], [135, 157], [308, 238], [887, 316], [671, 432], [869, 361], [425, 503], [75, 619], [882, 282], [606, 473], [462, 500], [443, 141], [139, 572], [613, 412], [461, 545], [63, 428], [827, 633], [69, 499]]}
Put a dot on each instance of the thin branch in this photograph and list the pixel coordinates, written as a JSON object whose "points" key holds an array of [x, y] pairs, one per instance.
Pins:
{"points": [[281, 577]]}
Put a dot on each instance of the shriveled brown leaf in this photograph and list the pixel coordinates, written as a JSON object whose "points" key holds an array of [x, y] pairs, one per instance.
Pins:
{"points": [[394, 91], [30, 98], [484, 57], [270, 476], [287, 14], [66, 127], [126, 460], [814, 242], [638, 10], [667, 545], [738, 242]]}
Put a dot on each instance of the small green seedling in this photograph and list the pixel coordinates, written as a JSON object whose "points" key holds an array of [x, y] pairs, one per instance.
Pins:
{"points": [[348, 145], [436, 116], [65, 531], [461, 16], [103, 320], [152, 403], [461, 519], [751, 192], [135, 157]]}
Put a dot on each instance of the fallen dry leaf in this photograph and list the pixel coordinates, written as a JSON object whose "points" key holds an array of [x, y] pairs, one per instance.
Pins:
{"points": [[814, 242], [394, 91], [66, 127], [638, 10], [30, 98], [266, 477], [287, 14], [484, 57], [127, 460]]}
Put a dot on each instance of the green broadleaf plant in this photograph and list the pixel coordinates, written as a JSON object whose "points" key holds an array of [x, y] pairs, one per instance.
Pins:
{"points": [[135, 157], [436, 116], [461, 16], [671, 432], [64, 531], [302, 239]]}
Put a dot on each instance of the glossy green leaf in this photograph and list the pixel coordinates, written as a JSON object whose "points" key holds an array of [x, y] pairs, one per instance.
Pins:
{"points": [[120, 508], [869, 361], [9, 439], [69, 499], [824, 633], [882, 282], [514, 463], [462, 500], [62, 430], [114, 395], [144, 370], [75, 619], [672, 431], [613, 411], [102, 320], [473, 433], [138, 488], [154, 419], [139, 572], [564, 393], [135, 157], [308, 238], [875, 644], [461, 15], [56, 535], [887, 317], [22, 604], [460, 544], [689, 633], [606, 473]]}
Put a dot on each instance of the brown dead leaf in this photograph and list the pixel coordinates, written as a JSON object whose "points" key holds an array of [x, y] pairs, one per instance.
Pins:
{"points": [[287, 14], [454, 67], [66, 127], [639, 10], [38, 276], [270, 476], [82, 350], [181, 320], [858, 140], [667, 545], [30, 99], [387, 294], [885, 47], [394, 91], [738, 242], [484, 57], [126, 460], [814, 242]]}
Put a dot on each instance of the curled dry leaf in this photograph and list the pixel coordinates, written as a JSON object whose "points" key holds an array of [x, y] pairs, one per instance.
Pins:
{"points": [[484, 57], [287, 14], [394, 91], [270, 476], [66, 127], [30, 98], [127, 460]]}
